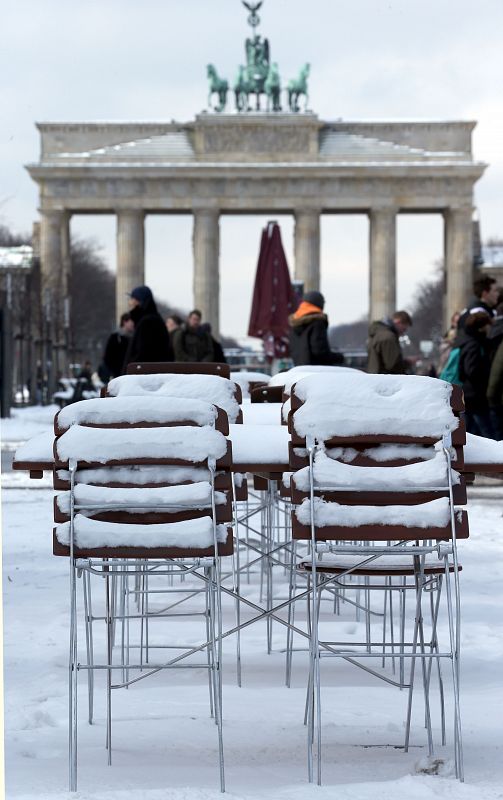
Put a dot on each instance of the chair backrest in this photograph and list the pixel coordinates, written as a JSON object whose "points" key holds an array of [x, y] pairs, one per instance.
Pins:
{"points": [[249, 381], [267, 394], [212, 388], [178, 368], [125, 411]]}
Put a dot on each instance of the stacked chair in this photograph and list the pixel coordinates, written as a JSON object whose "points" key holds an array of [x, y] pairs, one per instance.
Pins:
{"points": [[373, 493], [144, 489]]}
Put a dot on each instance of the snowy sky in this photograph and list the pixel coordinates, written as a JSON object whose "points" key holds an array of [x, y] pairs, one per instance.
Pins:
{"points": [[371, 59]]}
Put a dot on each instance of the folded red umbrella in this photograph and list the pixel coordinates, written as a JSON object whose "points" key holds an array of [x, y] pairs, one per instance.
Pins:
{"points": [[273, 296]]}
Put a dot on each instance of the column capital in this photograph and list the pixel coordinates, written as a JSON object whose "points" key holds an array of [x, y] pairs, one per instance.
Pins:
{"points": [[307, 211], [53, 213], [130, 212], [383, 210], [459, 210], [205, 207]]}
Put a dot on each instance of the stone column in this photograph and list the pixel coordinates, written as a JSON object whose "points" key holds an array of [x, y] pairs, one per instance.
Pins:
{"points": [[66, 263], [65, 309], [307, 248], [382, 259], [458, 259], [130, 256], [206, 280], [51, 223]]}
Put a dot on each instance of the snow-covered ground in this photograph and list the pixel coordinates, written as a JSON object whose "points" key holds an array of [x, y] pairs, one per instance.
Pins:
{"points": [[164, 742], [24, 423]]}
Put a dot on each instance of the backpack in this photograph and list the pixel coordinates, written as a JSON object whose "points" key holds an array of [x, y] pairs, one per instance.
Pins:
{"points": [[450, 372]]}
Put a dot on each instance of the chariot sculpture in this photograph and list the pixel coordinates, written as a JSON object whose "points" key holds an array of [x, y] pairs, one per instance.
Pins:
{"points": [[257, 77]]}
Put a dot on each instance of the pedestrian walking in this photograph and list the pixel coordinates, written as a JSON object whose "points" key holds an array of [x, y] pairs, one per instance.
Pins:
{"points": [[474, 369], [384, 351], [116, 349], [191, 343], [150, 341], [308, 333]]}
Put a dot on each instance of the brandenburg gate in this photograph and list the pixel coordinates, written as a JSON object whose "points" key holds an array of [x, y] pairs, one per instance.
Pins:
{"points": [[258, 163]]}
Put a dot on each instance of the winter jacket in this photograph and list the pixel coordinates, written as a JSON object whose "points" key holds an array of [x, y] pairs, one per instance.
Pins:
{"points": [[218, 352], [309, 340], [150, 341], [495, 335], [475, 304], [193, 345], [495, 386], [474, 367], [385, 355], [115, 353]]}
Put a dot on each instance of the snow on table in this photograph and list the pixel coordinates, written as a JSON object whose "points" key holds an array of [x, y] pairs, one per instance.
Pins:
{"points": [[359, 404], [261, 413], [434, 514], [89, 533], [38, 449], [337, 475], [121, 409], [105, 444], [259, 444], [212, 388], [291, 376], [479, 450]]}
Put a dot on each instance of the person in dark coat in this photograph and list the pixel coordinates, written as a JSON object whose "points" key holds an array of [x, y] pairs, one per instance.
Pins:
{"points": [[495, 393], [150, 341], [116, 349], [474, 369], [495, 335], [385, 354], [191, 343], [308, 333], [218, 352]]}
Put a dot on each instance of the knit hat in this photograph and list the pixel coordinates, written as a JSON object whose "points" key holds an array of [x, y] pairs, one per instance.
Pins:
{"points": [[316, 298], [142, 293]]}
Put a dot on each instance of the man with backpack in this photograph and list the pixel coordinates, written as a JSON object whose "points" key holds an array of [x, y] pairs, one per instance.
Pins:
{"points": [[385, 354]]}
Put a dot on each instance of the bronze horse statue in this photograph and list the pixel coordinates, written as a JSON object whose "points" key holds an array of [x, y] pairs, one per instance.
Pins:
{"points": [[296, 87], [217, 86]]}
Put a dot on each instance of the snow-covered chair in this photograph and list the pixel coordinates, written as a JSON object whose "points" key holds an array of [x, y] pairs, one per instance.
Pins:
{"points": [[380, 522], [145, 490], [223, 393]]}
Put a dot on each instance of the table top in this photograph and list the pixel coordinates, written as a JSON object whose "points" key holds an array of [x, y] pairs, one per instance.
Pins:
{"points": [[263, 447]]}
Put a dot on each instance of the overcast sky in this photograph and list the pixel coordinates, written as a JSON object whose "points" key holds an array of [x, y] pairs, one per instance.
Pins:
{"points": [[370, 59]]}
